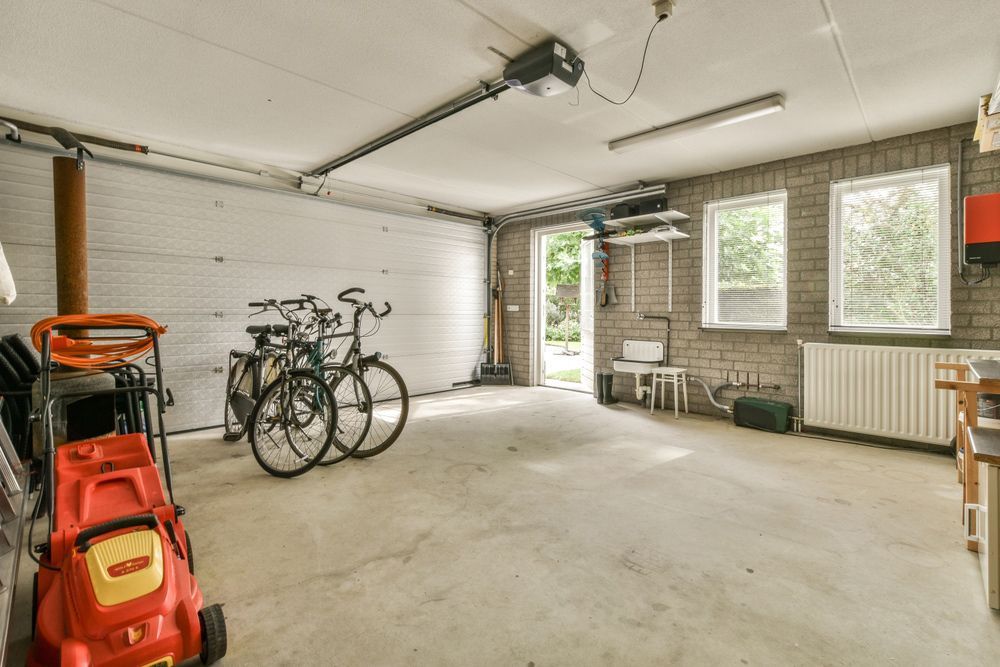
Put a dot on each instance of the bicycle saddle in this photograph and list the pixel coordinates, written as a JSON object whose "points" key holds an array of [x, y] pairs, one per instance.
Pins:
{"points": [[269, 329]]}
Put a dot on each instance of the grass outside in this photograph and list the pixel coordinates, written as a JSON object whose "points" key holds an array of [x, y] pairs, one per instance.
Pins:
{"points": [[570, 375], [574, 345]]}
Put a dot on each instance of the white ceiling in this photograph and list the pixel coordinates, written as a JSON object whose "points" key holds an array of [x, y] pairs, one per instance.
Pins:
{"points": [[298, 82]]}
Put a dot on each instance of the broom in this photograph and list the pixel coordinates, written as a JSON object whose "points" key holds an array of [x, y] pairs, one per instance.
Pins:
{"points": [[499, 371]]}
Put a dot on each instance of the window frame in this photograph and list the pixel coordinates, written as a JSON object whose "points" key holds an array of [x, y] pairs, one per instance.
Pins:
{"points": [[836, 282], [710, 255]]}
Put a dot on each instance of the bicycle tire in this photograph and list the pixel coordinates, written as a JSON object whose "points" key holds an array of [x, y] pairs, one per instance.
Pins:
{"points": [[302, 409], [234, 430], [301, 462], [354, 419], [390, 407]]}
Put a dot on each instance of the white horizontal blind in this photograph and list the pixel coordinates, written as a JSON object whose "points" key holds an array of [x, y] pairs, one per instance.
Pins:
{"points": [[745, 262], [890, 244]]}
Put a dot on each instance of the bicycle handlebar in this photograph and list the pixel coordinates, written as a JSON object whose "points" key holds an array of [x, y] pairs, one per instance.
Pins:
{"points": [[388, 309], [316, 299], [351, 290]]}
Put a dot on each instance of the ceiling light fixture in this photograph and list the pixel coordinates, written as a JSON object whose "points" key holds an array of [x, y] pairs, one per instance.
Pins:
{"points": [[709, 121]]}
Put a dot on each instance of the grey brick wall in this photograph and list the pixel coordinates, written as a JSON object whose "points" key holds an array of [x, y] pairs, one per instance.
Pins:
{"points": [[710, 354]]}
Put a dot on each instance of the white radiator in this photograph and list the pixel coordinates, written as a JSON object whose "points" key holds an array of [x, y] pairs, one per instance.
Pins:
{"points": [[881, 390]]}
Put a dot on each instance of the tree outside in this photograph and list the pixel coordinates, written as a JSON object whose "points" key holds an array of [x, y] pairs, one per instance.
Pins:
{"points": [[751, 264], [890, 256], [562, 258], [562, 261]]}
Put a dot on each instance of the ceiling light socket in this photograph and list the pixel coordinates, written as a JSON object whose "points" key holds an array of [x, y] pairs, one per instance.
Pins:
{"points": [[663, 9]]}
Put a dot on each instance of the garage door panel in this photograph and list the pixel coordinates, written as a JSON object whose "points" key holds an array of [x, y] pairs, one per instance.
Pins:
{"points": [[25, 221], [153, 239], [229, 224]]}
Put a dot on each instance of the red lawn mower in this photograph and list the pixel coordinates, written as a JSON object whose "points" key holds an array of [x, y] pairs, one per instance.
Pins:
{"points": [[115, 584]]}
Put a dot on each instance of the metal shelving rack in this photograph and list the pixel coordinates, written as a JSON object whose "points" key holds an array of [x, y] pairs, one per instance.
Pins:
{"points": [[13, 510], [665, 233]]}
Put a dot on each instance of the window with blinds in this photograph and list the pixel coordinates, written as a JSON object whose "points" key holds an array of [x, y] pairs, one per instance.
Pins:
{"points": [[890, 244], [744, 263]]}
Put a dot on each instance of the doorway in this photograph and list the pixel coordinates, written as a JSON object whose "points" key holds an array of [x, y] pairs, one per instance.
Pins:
{"points": [[564, 317]]}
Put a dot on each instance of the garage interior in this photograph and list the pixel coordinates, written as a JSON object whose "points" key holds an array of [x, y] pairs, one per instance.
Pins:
{"points": [[636, 333]]}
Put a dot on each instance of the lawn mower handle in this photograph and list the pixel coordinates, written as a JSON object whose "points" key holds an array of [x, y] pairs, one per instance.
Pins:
{"points": [[83, 539]]}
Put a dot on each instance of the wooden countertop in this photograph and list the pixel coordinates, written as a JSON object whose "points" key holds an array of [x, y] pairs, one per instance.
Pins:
{"points": [[985, 444]]}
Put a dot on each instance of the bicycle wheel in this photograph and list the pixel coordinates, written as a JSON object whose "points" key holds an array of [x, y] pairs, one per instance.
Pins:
{"points": [[293, 424], [239, 398], [354, 417], [390, 407]]}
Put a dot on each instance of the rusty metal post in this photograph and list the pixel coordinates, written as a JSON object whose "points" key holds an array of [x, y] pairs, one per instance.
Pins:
{"points": [[69, 188]]}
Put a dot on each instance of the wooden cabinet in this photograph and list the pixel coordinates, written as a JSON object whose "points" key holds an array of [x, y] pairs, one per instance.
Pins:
{"points": [[984, 514]]}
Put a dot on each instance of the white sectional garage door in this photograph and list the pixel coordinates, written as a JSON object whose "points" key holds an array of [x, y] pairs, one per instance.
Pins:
{"points": [[192, 252]]}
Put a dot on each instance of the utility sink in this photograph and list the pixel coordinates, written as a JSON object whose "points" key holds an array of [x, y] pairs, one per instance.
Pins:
{"points": [[623, 365], [639, 357]]}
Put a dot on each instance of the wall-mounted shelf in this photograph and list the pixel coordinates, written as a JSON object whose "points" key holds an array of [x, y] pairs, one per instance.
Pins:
{"points": [[664, 233], [668, 217]]}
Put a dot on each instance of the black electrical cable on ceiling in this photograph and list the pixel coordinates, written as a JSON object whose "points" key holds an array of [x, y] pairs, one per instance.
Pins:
{"points": [[642, 66], [322, 185]]}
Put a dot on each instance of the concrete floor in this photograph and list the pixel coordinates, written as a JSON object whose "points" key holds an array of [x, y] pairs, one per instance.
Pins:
{"points": [[514, 526]]}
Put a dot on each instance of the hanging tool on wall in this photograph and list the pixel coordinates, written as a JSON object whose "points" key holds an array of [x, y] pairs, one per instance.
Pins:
{"points": [[497, 370], [595, 219], [498, 323], [606, 296]]}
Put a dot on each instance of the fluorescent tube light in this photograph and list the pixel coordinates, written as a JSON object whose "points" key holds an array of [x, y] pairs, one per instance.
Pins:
{"points": [[709, 121]]}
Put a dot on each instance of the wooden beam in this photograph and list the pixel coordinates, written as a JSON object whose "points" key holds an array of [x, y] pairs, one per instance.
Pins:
{"points": [[69, 190], [950, 366]]}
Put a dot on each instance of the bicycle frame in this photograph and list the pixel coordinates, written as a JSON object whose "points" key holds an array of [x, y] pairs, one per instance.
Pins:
{"points": [[353, 358], [257, 356]]}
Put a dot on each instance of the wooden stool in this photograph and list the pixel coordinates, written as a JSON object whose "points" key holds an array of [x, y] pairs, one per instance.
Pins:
{"points": [[663, 376]]}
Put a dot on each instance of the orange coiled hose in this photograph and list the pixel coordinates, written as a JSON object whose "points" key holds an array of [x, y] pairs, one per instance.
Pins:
{"points": [[107, 351]]}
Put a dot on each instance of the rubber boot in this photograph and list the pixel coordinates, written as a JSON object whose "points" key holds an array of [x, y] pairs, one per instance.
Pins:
{"points": [[607, 388]]}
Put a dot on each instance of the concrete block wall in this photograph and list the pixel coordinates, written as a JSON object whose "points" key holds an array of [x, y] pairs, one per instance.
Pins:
{"points": [[711, 353]]}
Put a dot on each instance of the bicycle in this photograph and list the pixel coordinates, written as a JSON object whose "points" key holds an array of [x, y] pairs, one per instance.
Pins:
{"points": [[249, 372], [298, 407], [390, 401], [353, 399]]}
